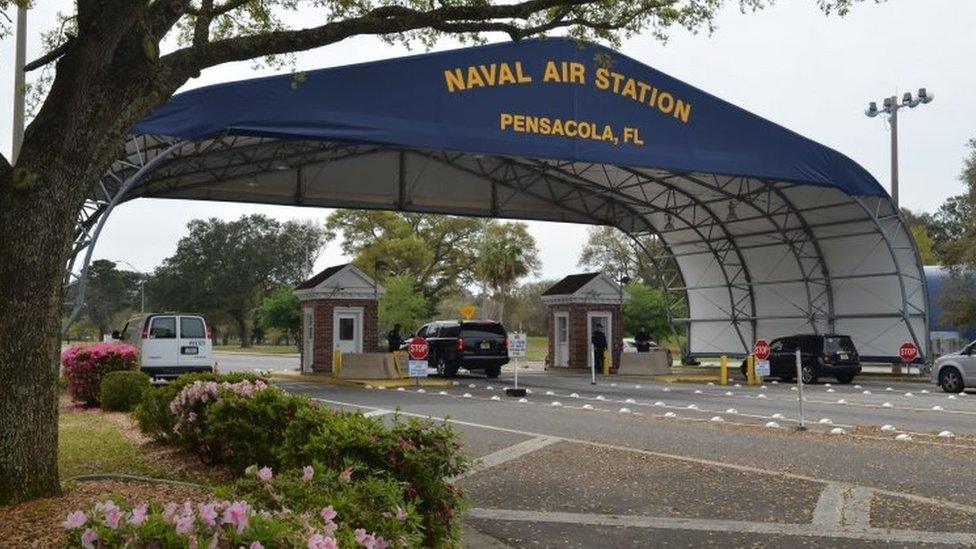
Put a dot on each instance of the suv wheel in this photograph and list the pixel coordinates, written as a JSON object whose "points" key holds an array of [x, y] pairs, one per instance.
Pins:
{"points": [[950, 380], [493, 371], [446, 369], [809, 372]]}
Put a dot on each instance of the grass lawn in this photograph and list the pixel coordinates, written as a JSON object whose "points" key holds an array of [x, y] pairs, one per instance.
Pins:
{"points": [[263, 349], [537, 347], [91, 443]]}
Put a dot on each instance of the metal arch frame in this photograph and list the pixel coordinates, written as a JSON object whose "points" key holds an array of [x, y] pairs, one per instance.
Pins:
{"points": [[503, 162], [136, 167], [795, 246], [90, 236], [905, 315]]}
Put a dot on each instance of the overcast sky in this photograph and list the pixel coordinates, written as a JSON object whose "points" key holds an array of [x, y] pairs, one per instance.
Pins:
{"points": [[789, 63]]}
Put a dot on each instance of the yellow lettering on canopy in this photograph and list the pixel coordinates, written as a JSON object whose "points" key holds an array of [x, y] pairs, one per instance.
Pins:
{"points": [[586, 130], [617, 78], [630, 89], [489, 72], [545, 126], [552, 73], [522, 77], [474, 79], [608, 133], [643, 90], [505, 75], [505, 120], [601, 78], [577, 73], [557, 127], [665, 102], [571, 127], [682, 111], [454, 79], [532, 124]]}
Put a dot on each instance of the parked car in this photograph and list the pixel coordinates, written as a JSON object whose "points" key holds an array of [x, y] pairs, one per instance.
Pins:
{"points": [[956, 371], [469, 344], [828, 355], [170, 344]]}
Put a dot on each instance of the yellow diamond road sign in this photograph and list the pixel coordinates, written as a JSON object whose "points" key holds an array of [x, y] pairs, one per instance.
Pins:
{"points": [[467, 311]]}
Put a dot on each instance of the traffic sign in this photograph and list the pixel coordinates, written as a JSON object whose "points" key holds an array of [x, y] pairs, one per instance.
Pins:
{"points": [[762, 367], [418, 348], [761, 349], [517, 341], [467, 312], [417, 368], [908, 351]]}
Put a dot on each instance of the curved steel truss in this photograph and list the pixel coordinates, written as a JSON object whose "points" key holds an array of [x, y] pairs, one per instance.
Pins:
{"points": [[744, 257]]}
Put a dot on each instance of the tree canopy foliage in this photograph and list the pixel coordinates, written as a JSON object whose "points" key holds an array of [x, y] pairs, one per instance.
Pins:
{"points": [[111, 291], [611, 251], [224, 268]]}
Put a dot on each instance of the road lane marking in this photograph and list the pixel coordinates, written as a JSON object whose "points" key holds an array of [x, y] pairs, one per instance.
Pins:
{"points": [[377, 412], [963, 508], [508, 454], [716, 525]]}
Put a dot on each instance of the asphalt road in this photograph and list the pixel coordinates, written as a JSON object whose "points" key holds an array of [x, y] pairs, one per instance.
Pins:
{"points": [[584, 473]]}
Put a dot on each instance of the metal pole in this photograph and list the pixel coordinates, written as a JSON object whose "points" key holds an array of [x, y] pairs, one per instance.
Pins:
{"points": [[20, 59], [801, 426], [142, 290], [894, 150]]}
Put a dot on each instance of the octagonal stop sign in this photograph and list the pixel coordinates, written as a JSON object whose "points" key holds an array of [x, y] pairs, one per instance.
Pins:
{"points": [[418, 348], [908, 351], [761, 349]]}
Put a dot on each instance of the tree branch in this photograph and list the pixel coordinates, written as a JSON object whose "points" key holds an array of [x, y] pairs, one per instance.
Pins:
{"points": [[50, 56], [382, 20]]}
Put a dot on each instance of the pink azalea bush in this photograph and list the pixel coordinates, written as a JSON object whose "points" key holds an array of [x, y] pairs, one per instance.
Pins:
{"points": [[85, 365], [220, 524]]}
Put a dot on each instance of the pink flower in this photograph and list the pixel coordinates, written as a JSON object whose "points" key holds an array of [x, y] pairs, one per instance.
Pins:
{"points": [[184, 524], [329, 528], [89, 538], [256, 545], [208, 514], [265, 474], [328, 514], [236, 514], [214, 541], [138, 515], [193, 543], [170, 511], [112, 516], [364, 539], [307, 473], [346, 475], [401, 514], [318, 541], [74, 520]]}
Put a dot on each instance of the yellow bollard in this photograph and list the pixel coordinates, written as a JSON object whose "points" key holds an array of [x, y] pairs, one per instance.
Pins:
{"points": [[606, 362], [723, 378], [336, 362], [751, 370]]}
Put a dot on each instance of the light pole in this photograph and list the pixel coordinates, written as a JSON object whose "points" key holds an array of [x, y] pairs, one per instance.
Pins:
{"points": [[891, 107], [20, 58]]}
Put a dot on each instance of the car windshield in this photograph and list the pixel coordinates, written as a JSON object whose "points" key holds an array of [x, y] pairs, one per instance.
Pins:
{"points": [[838, 345], [485, 330]]}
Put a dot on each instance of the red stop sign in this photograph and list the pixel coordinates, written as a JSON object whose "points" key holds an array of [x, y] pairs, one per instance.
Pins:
{"points": [[761, 349], [908, 351], [418, 348]]}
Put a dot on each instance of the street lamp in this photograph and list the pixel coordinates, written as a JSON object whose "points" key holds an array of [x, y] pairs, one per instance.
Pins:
{"points": [[890, 106]]}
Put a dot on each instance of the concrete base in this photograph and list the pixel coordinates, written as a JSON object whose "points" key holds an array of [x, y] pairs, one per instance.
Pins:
{"points": [[644, 364], [367, 366]]}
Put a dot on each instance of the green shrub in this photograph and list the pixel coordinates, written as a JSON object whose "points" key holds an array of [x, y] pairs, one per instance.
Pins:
{"points": [[121, 391], [153, 414]]}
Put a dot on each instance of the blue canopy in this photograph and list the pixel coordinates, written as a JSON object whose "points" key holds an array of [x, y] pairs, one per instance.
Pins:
{"points": [[544, 98]]}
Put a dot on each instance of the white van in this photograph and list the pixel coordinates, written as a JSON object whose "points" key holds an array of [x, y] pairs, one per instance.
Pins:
{"points": [[170, 344]]}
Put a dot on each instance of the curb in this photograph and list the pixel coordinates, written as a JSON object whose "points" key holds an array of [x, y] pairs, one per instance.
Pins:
{"points": [[385, 383]]}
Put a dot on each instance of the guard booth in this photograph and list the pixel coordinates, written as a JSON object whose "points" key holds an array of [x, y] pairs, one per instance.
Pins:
{"points": [[338, 312], [578, 305]]}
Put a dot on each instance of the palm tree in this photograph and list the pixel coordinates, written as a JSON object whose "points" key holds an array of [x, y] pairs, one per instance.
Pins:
{"points": [[509, 254]]}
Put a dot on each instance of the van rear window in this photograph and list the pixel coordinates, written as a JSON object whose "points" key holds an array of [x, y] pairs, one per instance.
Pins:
{"points": [[163, 328], [192, 328]]}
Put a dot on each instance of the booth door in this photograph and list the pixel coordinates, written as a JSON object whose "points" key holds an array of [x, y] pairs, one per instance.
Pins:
{"points": [[561, 347], [308, 342], [348, 330]]}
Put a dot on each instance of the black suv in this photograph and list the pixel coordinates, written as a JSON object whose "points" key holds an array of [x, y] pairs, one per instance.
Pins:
{"points": [[820, 355], [472, 344]]}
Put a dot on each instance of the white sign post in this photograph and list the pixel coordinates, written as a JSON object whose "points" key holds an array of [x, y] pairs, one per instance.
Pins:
{"points": [[517, 343], [802, 426]]}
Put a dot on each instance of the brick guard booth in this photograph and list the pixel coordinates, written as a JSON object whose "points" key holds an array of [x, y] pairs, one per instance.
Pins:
{"points": [[339, 311], [576, 305]]}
